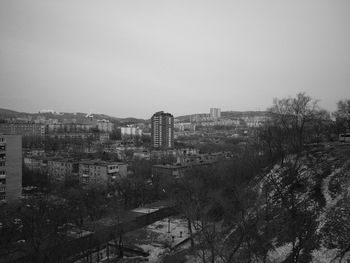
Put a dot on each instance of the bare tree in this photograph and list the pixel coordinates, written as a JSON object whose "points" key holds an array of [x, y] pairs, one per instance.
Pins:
{"points": [[293, 115], [342, 114]]}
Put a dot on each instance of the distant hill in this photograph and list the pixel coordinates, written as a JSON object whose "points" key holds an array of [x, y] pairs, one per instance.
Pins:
{"points": [[239, 114], [5, 113], [228, 115], [78, 116]]}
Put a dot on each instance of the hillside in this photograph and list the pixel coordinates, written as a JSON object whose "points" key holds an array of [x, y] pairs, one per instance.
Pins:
{"points": [[78, 116], [5, 113], [240, 114], [295, 211], [228, 115], [310, 197]]}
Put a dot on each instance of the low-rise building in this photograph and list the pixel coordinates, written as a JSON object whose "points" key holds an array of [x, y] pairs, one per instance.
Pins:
{"points": [[200, 117], [185, 126], [172, 155], [76, 135], [101, 172], [103, 136], [141, 154], [24, 129], [60, 169], [105, 125], [177, 170], [256, 121], [69, 127], [33, 163], [186, 161], [130, 131]]}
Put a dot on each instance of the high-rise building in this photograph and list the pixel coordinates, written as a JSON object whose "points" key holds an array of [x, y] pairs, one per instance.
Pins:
{"points": [[215, 113], [10, 167], [162, 125]]}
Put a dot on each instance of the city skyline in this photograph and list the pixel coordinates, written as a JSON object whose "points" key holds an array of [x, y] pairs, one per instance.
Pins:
{"points": [[134, 58]]}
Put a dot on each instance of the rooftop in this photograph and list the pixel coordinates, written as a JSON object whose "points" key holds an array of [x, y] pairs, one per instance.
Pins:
{"points": [[99, 162]]}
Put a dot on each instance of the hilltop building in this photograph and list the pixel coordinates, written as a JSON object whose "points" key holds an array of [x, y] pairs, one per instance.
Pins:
{"points": [[185, 126], [215, 113], [162, 126]]}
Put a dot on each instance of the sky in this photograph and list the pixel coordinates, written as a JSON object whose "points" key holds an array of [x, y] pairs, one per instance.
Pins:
{"points": [[133, 58]]}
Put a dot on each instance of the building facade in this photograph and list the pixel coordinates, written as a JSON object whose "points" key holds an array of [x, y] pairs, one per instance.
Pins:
{"points": [[162, 126], [103, 137], [10, 167], [172, 171], [185, 126], [60, 169], [34, 163], [99, 172], [215, 113], [105, 125], [69, 127], [130, 131], [24, 129], [75, 135]]}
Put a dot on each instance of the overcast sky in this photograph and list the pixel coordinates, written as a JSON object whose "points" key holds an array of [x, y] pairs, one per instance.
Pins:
{"points": [[132, 58]]}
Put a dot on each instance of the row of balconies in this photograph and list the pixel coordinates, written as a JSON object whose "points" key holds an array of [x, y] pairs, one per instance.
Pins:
{"points": [[2, 147]]}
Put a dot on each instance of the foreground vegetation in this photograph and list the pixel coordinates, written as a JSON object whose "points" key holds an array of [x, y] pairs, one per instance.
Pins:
{"points": [[283, 198]]}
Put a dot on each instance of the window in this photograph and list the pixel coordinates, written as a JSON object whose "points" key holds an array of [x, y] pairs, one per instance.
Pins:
{"points": [[85, 179]]}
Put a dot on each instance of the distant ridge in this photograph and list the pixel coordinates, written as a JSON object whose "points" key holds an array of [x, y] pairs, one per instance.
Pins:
{"points": [[79, 116], [228, 114], [11, 113]]}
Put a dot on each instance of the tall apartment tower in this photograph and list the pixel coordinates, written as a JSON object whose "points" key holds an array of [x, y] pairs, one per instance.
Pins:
{"points": [[10, 167], [215, 113], [162, 125]]}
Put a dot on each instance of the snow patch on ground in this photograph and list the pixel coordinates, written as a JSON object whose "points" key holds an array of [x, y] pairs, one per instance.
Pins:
{"points": [[329, 200], [323, 255], [155, 251], [145, 210], [279, 254]]}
